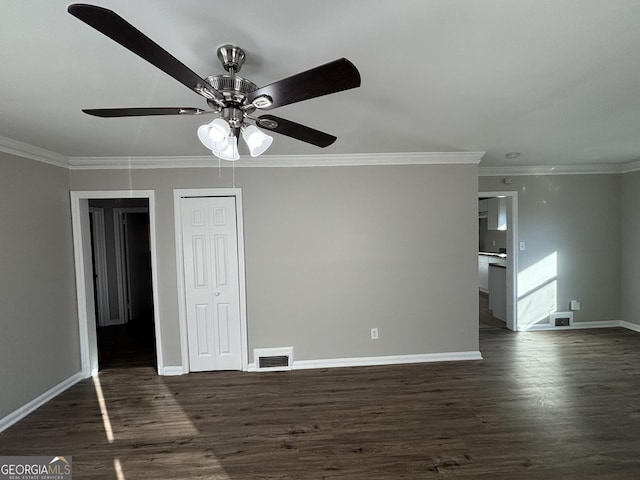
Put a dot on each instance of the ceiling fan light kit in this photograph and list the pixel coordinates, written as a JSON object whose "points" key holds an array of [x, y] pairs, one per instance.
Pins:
{"points": [[233, 98]]}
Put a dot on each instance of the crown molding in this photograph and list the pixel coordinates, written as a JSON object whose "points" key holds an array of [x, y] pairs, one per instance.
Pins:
{"points": [[270, 161], [553, 170], [19, 149]]}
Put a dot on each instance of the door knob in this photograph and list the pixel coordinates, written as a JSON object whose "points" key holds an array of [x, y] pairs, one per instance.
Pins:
{"points": [[217, 293]]}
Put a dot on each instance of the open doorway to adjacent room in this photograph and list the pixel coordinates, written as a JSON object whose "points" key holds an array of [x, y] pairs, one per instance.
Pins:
{"points": [[114, 243], [121, 259], [497, 259]]}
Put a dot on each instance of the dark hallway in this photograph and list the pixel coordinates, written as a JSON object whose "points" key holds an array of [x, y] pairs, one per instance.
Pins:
{"points": [[124, 300], [128, 345]]}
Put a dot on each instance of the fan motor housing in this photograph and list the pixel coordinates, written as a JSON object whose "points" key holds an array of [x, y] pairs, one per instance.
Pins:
{"points": [[233, 88]]}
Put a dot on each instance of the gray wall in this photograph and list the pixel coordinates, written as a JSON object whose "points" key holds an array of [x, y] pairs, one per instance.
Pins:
{"points": [[629, 250], [333, 252], [577, 218], [39, 340]]}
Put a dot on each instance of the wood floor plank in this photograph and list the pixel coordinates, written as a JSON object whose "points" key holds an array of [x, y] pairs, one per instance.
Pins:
{"points": [[545, 405]]}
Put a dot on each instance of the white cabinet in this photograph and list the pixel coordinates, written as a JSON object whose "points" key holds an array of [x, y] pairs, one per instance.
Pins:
{"points": [[498, 291], [497, 213], [483, 273]]}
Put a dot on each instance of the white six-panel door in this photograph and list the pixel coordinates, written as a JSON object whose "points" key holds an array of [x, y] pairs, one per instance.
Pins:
{"points": [[210, 250]]}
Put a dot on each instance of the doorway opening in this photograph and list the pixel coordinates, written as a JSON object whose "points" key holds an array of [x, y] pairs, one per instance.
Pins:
{"points": [[114, 249], [497, 259], [122, 271]]}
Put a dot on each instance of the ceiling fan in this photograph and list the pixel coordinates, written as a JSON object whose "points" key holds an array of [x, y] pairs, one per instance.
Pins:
{"points": [[233, 98]]}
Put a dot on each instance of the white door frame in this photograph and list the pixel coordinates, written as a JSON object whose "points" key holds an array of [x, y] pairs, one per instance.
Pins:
{"points": [[512, 255], [122, 267], [100, 265], [179, 194], [84, 280]]}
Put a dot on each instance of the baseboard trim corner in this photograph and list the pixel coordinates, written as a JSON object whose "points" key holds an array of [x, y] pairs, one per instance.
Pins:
{"points": [[37, 402], [630, 326], [173, 371]]}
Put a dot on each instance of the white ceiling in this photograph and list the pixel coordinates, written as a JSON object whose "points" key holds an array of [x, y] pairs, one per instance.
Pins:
{"points": [[557, 80]]}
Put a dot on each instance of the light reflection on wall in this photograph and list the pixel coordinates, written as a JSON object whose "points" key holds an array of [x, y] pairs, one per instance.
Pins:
{"points": [[537, 292]]}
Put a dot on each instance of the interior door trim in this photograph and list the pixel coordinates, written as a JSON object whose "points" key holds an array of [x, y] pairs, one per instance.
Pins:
{"points": [[84, 282], [100, 265], [124, 290]]}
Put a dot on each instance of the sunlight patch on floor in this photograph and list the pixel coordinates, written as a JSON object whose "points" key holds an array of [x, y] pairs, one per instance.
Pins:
{"points": [[150, 410], [118, 468], [103, 409]]}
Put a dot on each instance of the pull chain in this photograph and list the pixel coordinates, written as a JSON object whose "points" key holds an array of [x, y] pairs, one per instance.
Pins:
{"points": [[233, 168]]}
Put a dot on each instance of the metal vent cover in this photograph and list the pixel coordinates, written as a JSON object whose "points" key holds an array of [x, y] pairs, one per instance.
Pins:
{"points": [[273, 359], [561, 319]]}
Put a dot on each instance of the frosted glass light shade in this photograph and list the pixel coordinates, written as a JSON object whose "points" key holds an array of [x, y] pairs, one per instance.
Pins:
{"points": [[230, 153], [214, 135], [257, 141], [219, 130]]}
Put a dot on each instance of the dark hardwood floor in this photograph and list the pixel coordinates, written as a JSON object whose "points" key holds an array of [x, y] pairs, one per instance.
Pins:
{"points": [[541, 405], [128, 345], [486, 318]]}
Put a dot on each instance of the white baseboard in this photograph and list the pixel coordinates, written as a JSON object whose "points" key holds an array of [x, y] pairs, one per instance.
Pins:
{"points": [[631, 326], [601, 324], [173, 371], [573, 326], [384, 360], [36, 403], [583, 325], [114, 321]]}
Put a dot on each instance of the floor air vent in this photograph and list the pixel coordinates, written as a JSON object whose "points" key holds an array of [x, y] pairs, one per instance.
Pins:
{"points": [[273, 359]]}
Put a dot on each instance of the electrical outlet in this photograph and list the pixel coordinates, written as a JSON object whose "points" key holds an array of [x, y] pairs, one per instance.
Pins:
{"points": [[374, 334], [522, 246]]}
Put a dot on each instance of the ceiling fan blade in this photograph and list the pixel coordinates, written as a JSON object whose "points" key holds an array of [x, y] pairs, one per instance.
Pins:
{"points": [[118, 29], [295, 130], [332, 77], [138, 112]]}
